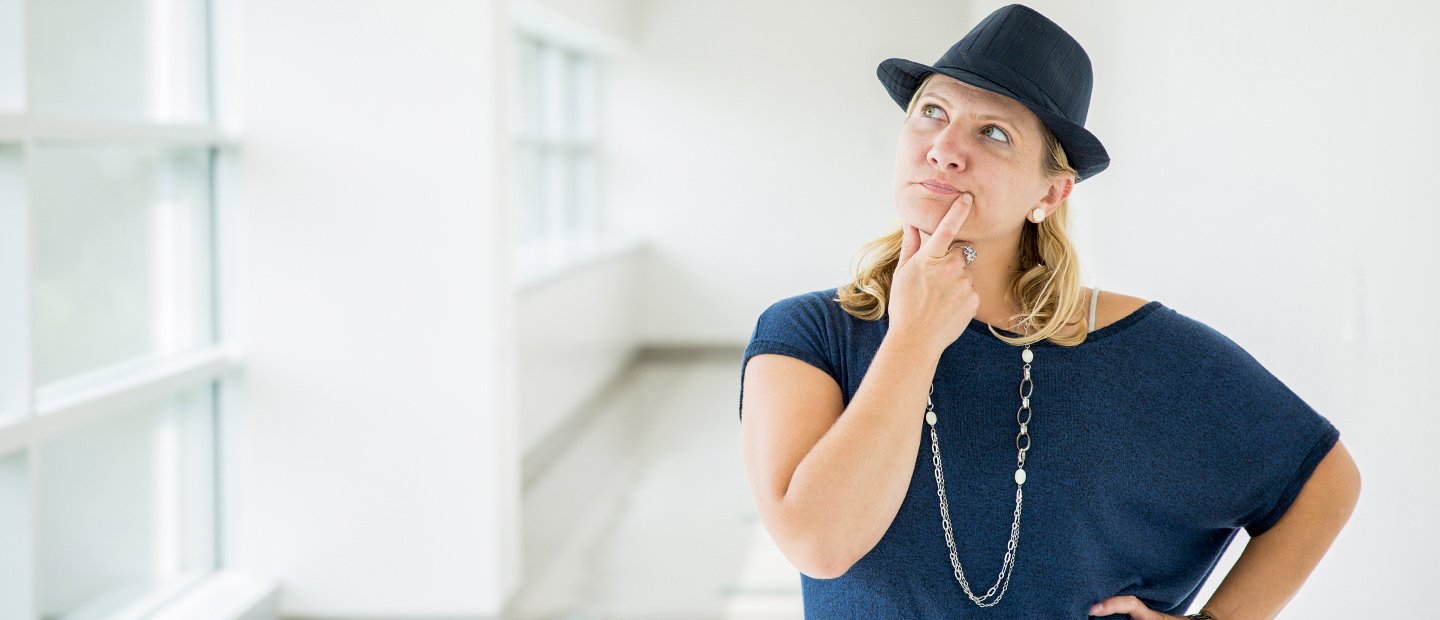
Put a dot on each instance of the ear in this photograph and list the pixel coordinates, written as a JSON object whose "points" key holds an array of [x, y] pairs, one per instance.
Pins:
{"points": [[1058, 192]]}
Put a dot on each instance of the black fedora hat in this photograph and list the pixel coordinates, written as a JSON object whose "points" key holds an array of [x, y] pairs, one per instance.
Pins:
{"points": [[1021, 54]]}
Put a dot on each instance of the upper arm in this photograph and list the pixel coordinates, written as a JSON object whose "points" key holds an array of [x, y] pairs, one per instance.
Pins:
{"points": [[1278, 561], [788, 405], [1326, 500]]}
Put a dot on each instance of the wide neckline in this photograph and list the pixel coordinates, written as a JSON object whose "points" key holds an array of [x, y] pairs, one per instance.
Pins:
{"points": [[982, 328]]}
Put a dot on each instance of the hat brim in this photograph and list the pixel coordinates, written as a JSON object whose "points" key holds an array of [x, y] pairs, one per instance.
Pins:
{"points": [[1086, 154]]}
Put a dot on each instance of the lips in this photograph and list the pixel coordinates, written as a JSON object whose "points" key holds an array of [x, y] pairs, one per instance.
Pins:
{"points": [[940, 186]]}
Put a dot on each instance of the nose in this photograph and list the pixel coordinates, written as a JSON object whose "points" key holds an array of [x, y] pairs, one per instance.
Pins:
{"points": [[944, 155]]}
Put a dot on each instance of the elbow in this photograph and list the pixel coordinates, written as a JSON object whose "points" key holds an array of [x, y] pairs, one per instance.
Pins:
{"points": [[810, 546], [827, 568], [826, 561], [817, 557], [822, 574]]}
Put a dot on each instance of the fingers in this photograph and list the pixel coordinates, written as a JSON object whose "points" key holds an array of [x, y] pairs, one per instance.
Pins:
{"points": [[1130, 605], [938, 245], [908, 244]]}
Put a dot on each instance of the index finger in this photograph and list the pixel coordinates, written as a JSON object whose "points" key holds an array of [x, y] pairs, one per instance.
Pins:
{"points": [[909, 243], [938, 245]]}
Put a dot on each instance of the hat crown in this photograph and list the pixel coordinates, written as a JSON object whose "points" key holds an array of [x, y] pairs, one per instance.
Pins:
{"points": [[1031, 55], [1020, 54]]}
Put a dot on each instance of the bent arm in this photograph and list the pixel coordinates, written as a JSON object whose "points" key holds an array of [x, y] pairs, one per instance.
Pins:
{"points": [[828, 494], [1276, 563]]}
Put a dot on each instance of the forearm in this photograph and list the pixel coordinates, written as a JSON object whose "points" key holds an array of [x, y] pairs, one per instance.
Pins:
{"points": [[1275, 564], [1268, 574], [850, 486]]}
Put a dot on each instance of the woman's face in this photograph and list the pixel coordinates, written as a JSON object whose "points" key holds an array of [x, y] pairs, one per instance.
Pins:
{"points": [[978, 142]]}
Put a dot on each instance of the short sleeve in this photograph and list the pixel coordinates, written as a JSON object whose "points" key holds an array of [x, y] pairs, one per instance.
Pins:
{"points": [[798, 327], [1277, 439]]}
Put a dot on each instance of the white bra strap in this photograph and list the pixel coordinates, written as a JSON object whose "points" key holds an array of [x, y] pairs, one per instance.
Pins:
{"points": [[1094, 296]]}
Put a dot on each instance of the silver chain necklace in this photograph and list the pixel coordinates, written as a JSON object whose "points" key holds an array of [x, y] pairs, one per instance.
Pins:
{"points": [[1008, 566]]}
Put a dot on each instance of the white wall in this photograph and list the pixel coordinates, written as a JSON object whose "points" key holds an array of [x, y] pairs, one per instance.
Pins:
{"points": [[758, 147], [611, 19], [576, 332], [1268, 177], [381, 475]]}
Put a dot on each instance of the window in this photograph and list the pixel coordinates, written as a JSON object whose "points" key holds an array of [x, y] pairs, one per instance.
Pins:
{"points": [[555, 182], [113, 364]]}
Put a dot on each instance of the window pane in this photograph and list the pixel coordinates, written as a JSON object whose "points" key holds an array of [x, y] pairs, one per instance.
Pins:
{"points": [[556, 176], [525, 102], [122, 255], [126, 59], [574, 201], [587, 98], [554, 182], [12, 42], [587, 191], [554, 93], [14, 537], [126, 507], [525, 186]]}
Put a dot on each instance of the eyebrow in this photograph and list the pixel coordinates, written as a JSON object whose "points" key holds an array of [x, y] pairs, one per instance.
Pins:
{"points": [[981, 117]]}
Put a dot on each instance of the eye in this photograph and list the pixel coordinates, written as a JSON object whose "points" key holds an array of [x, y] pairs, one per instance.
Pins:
{"points": [[928, 106], [997, 128]]}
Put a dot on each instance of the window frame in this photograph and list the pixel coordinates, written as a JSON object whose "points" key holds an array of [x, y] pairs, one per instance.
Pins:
{"points": [[563, 243], [35, 413]]}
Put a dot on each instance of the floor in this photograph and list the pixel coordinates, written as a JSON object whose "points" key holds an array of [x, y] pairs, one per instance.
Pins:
{"points": [[671, 531]]}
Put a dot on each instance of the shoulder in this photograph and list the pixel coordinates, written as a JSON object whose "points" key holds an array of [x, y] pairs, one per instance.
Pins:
{"points": [[813, 310], [1112, 306], [1175, 328], [817, 303], [1195, 343]]}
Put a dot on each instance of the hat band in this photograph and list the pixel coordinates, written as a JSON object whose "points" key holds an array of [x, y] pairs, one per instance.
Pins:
{"points": [[1009, 78]]}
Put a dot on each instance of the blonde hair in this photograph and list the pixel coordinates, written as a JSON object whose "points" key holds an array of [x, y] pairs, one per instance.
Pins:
{"points": [[1047, 285]]}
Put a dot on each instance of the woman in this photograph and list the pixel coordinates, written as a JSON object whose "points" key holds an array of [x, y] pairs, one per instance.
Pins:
{"points": [[1141, 441]]}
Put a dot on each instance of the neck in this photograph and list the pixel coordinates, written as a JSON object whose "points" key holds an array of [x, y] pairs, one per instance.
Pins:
{"points": [[996, 264]]}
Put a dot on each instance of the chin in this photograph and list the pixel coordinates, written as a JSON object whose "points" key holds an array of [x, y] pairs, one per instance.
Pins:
{"points": [[923, 216]]}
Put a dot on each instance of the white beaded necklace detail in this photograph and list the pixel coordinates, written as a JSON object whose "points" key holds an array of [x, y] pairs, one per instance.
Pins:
{"points": [[1008, 566]]}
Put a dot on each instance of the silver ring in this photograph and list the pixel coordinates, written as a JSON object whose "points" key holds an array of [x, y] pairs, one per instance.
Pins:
{"points": [[970, 254]]}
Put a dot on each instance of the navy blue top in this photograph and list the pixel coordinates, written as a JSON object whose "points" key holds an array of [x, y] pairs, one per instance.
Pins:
{"points": [[1153, 442]]}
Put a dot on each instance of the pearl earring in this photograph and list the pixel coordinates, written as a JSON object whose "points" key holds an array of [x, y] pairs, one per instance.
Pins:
{"points": [[1038, 215]]}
